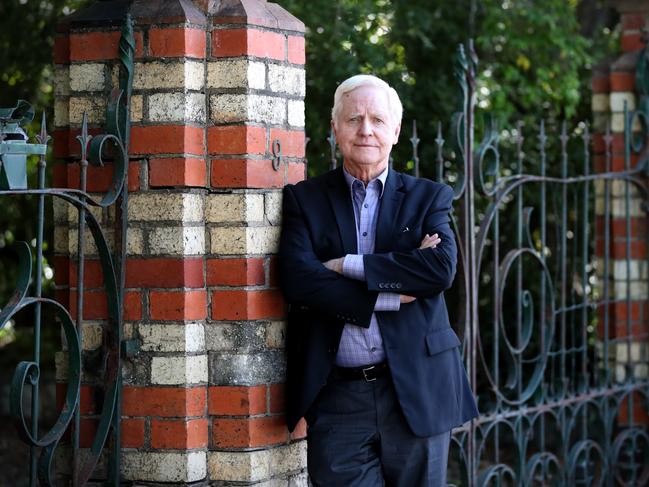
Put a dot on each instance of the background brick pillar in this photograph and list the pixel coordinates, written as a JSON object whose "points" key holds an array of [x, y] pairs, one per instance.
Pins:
{"points": [[613, 85], [215, 87]]}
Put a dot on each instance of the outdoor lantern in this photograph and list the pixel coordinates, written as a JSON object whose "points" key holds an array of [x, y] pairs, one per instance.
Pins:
{"points": [[14, 147]]}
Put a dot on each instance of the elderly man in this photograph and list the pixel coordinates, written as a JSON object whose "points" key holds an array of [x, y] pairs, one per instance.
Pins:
{"points": [[365, 255]]}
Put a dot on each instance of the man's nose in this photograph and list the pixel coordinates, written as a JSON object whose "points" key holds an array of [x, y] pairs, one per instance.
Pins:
{"points": [[366, 127]]}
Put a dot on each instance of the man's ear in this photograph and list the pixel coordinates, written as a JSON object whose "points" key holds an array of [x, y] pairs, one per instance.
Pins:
{"points": [[397, 131]]}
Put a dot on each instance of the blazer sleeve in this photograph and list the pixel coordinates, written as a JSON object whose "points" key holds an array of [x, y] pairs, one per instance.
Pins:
{"points": [[307, 283], [422, 273]]}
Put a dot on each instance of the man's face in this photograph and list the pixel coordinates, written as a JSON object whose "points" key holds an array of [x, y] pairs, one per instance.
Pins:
{"points": [[364, 128]]}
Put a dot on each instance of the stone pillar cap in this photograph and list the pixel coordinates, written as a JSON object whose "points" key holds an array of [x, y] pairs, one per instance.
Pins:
{"points": [[252, 12]]}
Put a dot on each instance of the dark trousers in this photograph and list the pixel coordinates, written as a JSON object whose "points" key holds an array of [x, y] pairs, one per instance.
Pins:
{"points": [[358, 437]]}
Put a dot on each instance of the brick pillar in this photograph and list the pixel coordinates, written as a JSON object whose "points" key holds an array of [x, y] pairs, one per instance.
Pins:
{"points": [[613, 85], [216, 84]]}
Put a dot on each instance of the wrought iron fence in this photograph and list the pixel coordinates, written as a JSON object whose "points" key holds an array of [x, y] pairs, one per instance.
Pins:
{"points": [[14, 149], [548, 253]]}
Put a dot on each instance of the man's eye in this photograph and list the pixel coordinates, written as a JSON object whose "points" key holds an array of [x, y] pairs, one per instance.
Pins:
{"points": [[378, 120]]}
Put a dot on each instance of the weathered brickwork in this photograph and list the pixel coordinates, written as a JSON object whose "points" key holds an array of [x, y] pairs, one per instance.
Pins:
{"points": [[625, 323], [214, 93]]}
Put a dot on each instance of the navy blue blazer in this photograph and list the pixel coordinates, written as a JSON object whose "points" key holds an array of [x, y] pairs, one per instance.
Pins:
{"points": [[421, 348]]}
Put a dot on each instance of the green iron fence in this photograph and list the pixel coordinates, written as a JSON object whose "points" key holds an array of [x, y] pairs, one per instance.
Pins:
{"points": [[25, 407]]}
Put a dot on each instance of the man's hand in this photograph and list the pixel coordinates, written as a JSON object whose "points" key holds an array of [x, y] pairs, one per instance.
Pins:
{"points": [[430, 241], [335, 265]]}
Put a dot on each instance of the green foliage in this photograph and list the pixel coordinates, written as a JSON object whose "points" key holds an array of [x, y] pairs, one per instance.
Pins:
{"points": [[533, 61]]}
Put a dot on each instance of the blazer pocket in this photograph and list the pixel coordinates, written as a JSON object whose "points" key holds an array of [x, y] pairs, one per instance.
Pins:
{"points": [[441, 340]]}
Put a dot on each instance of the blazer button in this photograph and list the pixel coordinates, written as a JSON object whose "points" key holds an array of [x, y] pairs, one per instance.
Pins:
{"points": [[380, 285], [398, 285]]}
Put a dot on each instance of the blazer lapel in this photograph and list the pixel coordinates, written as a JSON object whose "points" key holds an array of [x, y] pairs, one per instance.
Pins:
{"points": [[390, 205], [341, 203]]}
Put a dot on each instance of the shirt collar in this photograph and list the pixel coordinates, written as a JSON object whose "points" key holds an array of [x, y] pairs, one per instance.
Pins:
{"points": [[381, 178]]}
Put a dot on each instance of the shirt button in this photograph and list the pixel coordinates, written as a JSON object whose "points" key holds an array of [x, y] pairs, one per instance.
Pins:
{"points": [[364, 234], [366, 205], [373, 349]]}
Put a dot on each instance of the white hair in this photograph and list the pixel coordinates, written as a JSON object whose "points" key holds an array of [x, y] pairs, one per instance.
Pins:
{"points": [[350, 84]]}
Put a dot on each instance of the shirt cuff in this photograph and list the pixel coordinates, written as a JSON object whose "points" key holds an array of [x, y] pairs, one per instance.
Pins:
{"points": [[387, 302], [353, 267]]}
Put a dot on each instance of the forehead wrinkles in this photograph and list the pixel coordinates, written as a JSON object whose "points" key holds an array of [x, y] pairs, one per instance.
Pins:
{"points": [[372, 102]]}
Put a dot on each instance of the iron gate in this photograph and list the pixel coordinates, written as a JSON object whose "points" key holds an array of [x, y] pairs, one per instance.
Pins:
{"points": [[24, 400]]}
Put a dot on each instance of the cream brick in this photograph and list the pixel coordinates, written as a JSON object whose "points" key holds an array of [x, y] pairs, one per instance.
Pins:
{"points": [[135, 241], [73, 214], [137, 108], [61, 112], [61, 80], [177, 107], [189, 337], [94, 106], [641, 371], [276, 334], [61, 366], [286, 79], [191, 369], [600, 102], [177, 240], [617, 123], [247, 108], [87, 77], [273, 207], [620, 373], [244, 240], [600, 121], [164, 467], [236, 73], [618, 98], [89, 243], [60, 211], [296, 113], [187, 74], [636, 289], [61, 240], [289, 458], [150, 207], [92, 336], [237, 207], [239, 466], [637, 269]]}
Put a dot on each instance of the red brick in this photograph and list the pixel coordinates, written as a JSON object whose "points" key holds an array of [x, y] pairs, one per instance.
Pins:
{"points": [[242, 173], [299, 432], [634, 311], [296, 172], [177, 172], [600, 84], [273, 271], [164, 273], [94, 305], [237, 400], [248, 42], [178, 305], [235, 272], [93, 277], [633, 21], [61, 50], [62, 296], [247, 305], [66, 145], [87, 432], [164, 401], [252, 432], [132, 433], [632, 41], [167, 139], [87, 404], [236, 139], [292, 141], [639, 410], [60, 149], [179, 434], [61, 270], [622, 81], [100, 178], [277, 402], [60, 174], [132, 306], [100, 46], [296, 50], [177, 42]]}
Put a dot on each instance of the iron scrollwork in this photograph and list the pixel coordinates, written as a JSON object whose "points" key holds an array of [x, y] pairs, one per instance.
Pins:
{"points": [[115, 143]]}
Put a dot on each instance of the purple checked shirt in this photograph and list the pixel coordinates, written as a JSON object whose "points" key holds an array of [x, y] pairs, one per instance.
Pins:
{"points": [[364, 346]]}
